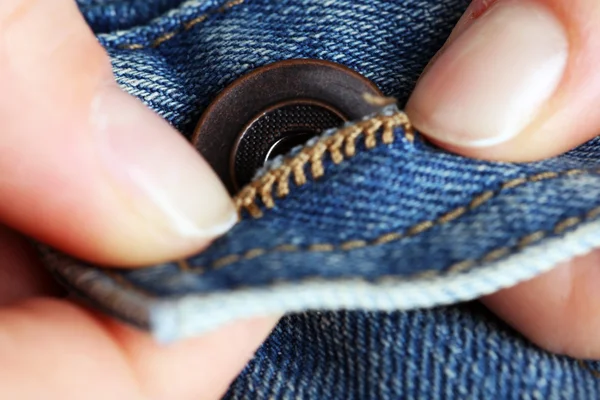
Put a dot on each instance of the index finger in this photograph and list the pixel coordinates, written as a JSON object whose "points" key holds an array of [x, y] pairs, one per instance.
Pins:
{"points": [[54, 350], [84, 166]]}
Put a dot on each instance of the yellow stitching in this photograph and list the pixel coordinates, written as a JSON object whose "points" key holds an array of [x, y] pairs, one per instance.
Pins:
{"points": [[319, 279], [225, 261], [593, 213], [266, 191], [255, 211], [351, 141], [456, 268], [452, 215], [287, 248], [283, 176], [461, 266], [575, 172], [514, 183], [524, 241], [297, 164], [264, 186], [410, 134], [387, 137], [566, 224], [543, 176], [496, 254], [183, 265], [585, 366], [426, 275], [370, 139], [132, 46], [230, 4], [426, 225], [419, 228], [163, 38], [390, 237], [254, 253], [479, 200], [245, 200], [186, 26], [321, 248], [317, 170], [190, 24], [530, 239], [262, 189], [334, 144], [354, 244]]}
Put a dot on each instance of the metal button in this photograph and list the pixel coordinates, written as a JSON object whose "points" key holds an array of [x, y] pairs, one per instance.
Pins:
{"points": [[275, 108]]}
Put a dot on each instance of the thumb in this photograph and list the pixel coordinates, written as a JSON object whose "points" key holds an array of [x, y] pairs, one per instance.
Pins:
{"points": [[516, 81], [84, 166]]}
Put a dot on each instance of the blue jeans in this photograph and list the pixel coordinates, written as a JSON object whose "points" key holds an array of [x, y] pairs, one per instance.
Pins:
{"points": [[377, 248]]}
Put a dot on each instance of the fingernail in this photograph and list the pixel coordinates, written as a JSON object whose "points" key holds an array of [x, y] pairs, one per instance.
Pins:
{"points": [[492, 80], [158, 173]]}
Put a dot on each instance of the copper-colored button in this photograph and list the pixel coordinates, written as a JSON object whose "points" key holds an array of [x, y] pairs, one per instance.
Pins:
{"points": [[275, 108]]}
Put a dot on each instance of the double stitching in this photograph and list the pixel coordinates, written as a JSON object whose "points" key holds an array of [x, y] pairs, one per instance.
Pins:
{"points": [[345, 139], [494, 255], [186, 26], [293, 168], [461, 267]]}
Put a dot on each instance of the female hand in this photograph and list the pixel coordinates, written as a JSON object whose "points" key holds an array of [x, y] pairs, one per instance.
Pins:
{"points": [[518, 80], [90, 170]]}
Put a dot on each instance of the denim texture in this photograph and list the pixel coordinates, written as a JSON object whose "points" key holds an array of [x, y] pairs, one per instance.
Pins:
{"points": [[366, 237], [108, 15], [462, 352]]}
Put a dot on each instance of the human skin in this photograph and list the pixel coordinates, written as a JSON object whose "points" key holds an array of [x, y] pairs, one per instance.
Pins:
{"points": [[125, 204], [481, 68]]}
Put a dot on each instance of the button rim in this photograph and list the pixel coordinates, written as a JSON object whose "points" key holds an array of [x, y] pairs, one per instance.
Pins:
{"points": [[216, 133]]}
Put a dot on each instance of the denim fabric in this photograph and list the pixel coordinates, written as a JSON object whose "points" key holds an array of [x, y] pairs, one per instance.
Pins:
{"points": [[380, 223], [108, 15], [461, 352]]}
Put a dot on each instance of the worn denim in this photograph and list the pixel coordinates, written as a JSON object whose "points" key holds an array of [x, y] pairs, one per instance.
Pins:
{"points": [[373, 246]]}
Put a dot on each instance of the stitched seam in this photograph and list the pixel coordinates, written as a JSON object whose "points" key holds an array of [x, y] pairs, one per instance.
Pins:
{"points": [[185, 26], [263, 188], [494, 255], [461, 267], [340, 146]]}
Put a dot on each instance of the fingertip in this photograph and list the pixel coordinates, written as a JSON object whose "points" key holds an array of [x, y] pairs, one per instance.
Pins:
{"points": [[116, 186], [473, 95], [201, 367], [76, 353], [170, 199], [60, 345], [513, 81], [557, 310], [86, 167]]}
